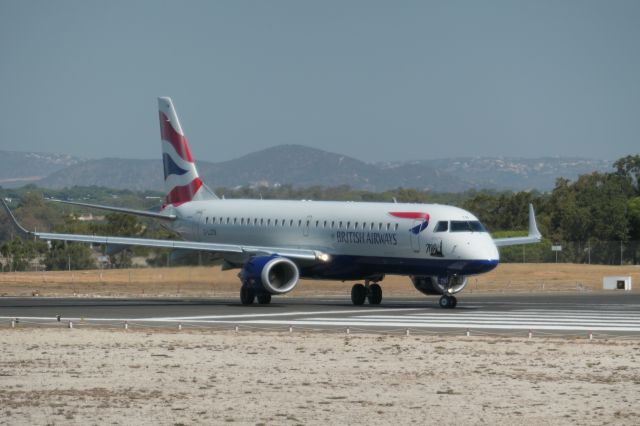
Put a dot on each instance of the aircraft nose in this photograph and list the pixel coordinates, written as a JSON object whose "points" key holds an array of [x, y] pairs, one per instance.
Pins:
{"points": [[492, 252]]}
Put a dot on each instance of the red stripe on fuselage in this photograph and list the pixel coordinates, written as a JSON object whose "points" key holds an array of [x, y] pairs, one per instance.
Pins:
{"points": [[185, 193], [178, 141], [410, 215]]}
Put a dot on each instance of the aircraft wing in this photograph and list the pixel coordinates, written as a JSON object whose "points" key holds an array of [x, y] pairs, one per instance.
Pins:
{"points": [[534, 234], [296, 254], [146, 213]]}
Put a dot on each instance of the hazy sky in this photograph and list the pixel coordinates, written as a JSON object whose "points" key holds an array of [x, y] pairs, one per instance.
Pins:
{"points": [[390, 80]]}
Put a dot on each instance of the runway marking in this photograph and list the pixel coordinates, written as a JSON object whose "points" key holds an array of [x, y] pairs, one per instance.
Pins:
{"points": [[564, 320]]}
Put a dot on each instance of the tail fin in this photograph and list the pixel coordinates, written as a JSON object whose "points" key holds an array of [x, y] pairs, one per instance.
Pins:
{"points": [[181, 179]]}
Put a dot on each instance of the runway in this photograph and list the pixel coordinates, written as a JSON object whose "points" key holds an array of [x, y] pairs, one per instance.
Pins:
{"points": [[597, 313]]}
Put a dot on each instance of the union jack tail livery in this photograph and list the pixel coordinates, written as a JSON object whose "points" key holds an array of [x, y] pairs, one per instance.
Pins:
{"points": [[181, 179]]}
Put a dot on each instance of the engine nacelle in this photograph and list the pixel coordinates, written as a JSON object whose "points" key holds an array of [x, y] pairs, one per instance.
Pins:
{"points": [[439, 285], [272, 274]]}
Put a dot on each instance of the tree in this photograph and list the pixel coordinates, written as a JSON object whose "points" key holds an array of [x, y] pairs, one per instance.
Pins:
{"points": [[629, 167], [63, 256], [19, 253]]}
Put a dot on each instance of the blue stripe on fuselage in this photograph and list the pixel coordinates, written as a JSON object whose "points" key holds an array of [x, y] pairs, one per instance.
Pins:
{"points": [[346, 267]]}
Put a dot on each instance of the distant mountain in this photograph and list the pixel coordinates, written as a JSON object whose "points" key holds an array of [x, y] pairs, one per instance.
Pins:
{"points": [[304, 166], [511, 173], [20, 168]]}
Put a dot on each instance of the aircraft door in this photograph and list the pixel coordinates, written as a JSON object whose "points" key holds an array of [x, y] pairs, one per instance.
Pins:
{"points": [[197, 219], [415, 236], [306, 225]]}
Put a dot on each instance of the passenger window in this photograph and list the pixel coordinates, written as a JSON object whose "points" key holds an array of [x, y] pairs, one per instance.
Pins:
{"points": [[291, 223], [235, 220], [340, 225], [355, 226], [268, 222], [228, 220], [395, 227], [333, 224], [380, 227], [242, 221], [388, 226], [348, 225], [317, 223], [299, 223]]}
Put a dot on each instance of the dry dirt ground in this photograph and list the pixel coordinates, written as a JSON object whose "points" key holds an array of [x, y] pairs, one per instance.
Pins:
{"points": [[211, 281], [89, 376]]}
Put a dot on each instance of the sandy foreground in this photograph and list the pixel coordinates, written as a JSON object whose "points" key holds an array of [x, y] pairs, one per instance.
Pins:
{"points": [[98, 376]]}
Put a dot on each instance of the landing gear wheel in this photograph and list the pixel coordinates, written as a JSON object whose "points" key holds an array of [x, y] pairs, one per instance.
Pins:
{"points": [[264, 298], [247, 295], [358, 294], [448, 302], [375, 294]]}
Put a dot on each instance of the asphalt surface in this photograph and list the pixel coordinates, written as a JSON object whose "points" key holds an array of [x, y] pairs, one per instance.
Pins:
{"points": [[581, 313]]}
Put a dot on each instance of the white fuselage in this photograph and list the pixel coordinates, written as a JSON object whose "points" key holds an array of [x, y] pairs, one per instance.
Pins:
{"points": [[363, 239]]}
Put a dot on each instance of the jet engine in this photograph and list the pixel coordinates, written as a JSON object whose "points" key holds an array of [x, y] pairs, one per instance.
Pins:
{"points": [[439, 285], [272, 274]]}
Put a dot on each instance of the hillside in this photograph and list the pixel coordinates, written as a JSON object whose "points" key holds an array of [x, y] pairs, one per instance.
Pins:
{"points": [[301, 166], [20, 168]]}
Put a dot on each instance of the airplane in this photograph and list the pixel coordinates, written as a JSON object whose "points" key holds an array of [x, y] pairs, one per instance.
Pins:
{"points": [[275, 243]]}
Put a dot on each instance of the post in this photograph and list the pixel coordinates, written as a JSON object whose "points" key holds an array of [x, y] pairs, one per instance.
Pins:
{"points": [[621, 248]]}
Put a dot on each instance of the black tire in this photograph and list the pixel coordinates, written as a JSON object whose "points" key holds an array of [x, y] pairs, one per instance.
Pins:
{"points": [[358, 294], [454, 302], [445, 302], [247, 295], [264, 298], [375, 294]]}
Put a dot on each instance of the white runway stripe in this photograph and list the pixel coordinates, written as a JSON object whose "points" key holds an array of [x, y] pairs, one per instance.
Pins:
{"points": [[566, 320]]}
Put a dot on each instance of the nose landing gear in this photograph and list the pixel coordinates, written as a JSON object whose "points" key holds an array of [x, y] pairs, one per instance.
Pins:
{"points": [[448, 302]]}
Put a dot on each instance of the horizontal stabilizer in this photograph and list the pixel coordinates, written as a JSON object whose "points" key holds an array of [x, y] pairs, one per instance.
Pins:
{"points": [[145, 213]]}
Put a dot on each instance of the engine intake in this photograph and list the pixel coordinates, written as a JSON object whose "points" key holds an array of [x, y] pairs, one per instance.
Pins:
{"points": [[272, 274], [439, 285]]}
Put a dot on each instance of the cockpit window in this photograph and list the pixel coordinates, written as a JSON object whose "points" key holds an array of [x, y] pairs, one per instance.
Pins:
{"points": [[467, 226], [442, 226]]}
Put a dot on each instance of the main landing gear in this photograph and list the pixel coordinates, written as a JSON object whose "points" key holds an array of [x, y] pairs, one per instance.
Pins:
{"points": [[248, 295], [448, 302], [361, 292]]}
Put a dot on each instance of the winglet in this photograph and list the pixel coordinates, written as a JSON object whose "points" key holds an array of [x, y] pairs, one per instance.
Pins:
{"points": [[533, 226], [19, 227], [534, 234]]}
